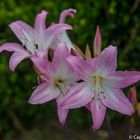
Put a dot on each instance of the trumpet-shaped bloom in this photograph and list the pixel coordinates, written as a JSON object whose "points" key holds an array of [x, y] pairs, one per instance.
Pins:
{"points": [[36, 40], [101, 86], [58, 80]]}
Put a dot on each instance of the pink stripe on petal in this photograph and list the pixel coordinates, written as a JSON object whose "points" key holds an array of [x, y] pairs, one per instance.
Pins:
{"points": [[98, 111], [54, 31], [16, 58], [40, 21], [61, 53], [20, 27], [116, 100], [68, 12], [80, 66], [41, 64], [43, 93], [61, 112], [88, 106], [121, 79], [78, 96], [11, 47], [107, 60]]}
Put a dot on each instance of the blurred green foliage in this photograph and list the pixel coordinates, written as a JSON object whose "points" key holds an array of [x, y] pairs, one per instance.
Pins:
{"points": [[119, 22]]}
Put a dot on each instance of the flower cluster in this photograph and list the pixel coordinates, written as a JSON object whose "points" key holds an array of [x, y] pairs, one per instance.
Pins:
{"points": [[67, 75]]}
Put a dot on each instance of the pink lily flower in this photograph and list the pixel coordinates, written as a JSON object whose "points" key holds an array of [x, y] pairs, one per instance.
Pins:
{"points": [[36, 40], [101, 86], [58, 80]]}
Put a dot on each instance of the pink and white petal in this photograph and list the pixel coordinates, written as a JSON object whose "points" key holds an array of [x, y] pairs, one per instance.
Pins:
{"points": [[80, 66], [11, 47], [92, 62], [88, 106], [22, 30], [116, 100], [65, 38], [107, 60], [60, 99], [41, 64], [68, 12], [122, 79], [40, 21], [62, 114], [61, 53], [16, 58], [98, 111], [43, 93], [79, 95], [54, 31], [42, 54]]}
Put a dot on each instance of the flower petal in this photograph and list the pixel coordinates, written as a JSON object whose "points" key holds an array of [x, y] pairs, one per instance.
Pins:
{"points": [[107, 60], [16, 58], [61, 53], [98, 111], [116, 100], [41, 64], [80, 66], [54, 31], [122, 79], [65, 38], [43, 93], [25, 34], [68, 12], [78, 96], [40, 24], [11, 47], [62, 113]]}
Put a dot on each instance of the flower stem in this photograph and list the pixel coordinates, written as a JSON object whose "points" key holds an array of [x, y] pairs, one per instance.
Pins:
{"points": [[109, 127]]}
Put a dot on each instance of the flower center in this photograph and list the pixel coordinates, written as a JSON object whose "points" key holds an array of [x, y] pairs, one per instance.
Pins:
{"points": [[59, 83], [97, 82]]}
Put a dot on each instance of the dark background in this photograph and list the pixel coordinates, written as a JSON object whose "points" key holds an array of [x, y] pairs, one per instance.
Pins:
{"points": [[119, 22]]}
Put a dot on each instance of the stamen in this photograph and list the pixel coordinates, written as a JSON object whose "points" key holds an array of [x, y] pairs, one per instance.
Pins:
{"points": [[36, 46], [43, 78], [25, 40], [104, 97], [28, 41], [60, 85]]}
